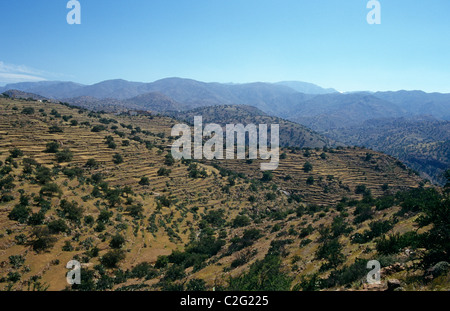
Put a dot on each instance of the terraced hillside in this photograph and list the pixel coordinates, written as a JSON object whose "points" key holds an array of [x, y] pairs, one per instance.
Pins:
{"points": [[103, 189], [421, 142], [291, 134]]}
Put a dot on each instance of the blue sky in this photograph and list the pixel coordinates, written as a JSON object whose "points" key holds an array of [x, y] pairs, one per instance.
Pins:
{"points": [[327, 42]]}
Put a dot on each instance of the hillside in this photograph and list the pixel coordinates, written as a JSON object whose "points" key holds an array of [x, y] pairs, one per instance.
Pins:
{"points": [[102, 189], [291, 134], [422, 143]]}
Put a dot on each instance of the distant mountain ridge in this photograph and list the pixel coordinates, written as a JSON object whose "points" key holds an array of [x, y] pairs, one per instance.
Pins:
{"points": [[307, 88]]}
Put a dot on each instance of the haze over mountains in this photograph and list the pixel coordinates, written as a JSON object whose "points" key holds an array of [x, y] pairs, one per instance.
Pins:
{"points": [[409, 116]]}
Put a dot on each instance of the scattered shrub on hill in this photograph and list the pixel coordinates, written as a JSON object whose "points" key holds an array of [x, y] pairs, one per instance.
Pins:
{"points": [[307, 167], [16, 152], [28, 110], [52, 147], [117, 158], [64, 155], [42, 239], [112, 258], [264, 275]]}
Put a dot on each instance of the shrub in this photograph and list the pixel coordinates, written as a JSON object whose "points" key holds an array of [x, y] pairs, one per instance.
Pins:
{"points": [[91, 163], [50, 190], [71, 211], [20, 213], [397, 242], [169, 160], [145, 181], [117, 241], [215, 217], [360, 189], [42, 239], [57, 226], [16, 152], [36, 219], [267, 176], [164, 171], [307, 167], [264, 275], [55, 129], [98, 128], [28, 110], [112, 258], [64, 156], [144, 270], [117, 158], [330, 250], [16, 261], [52, 147], [241, 221], [135, 211]]}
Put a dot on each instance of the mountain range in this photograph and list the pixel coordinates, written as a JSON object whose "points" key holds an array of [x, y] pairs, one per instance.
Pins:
{"points": [[372, 119]]}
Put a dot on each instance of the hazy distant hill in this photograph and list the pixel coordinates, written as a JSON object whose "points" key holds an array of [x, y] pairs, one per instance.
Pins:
{"points": [[325, 112], [307, 88], [420, 103], [49, 89], [291, 134], [154, 102], [22, 95]]}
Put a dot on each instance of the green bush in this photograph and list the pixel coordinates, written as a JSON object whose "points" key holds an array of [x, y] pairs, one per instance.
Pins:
{"points": [[241, 221], [64, 156], [112, 258], [264, 275], [57, 226], [117, 241], [52, 147]]}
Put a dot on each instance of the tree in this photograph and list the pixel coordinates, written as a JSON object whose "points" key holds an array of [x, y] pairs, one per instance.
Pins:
{"points": [[169, 160], [264, 275], [16, 152], [241, 221], [52, 147], [50, 190], [112, 258], [91, 163], [145, 181], [330, 250], [437, 239], [307, 167], [20, 213], [267, 176], [42, 239], [28, 110], [117, 241], [64, 156], [117, 158]]}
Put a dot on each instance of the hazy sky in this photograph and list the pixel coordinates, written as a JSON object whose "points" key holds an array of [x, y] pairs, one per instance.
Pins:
{"points": [[327, 42]]}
